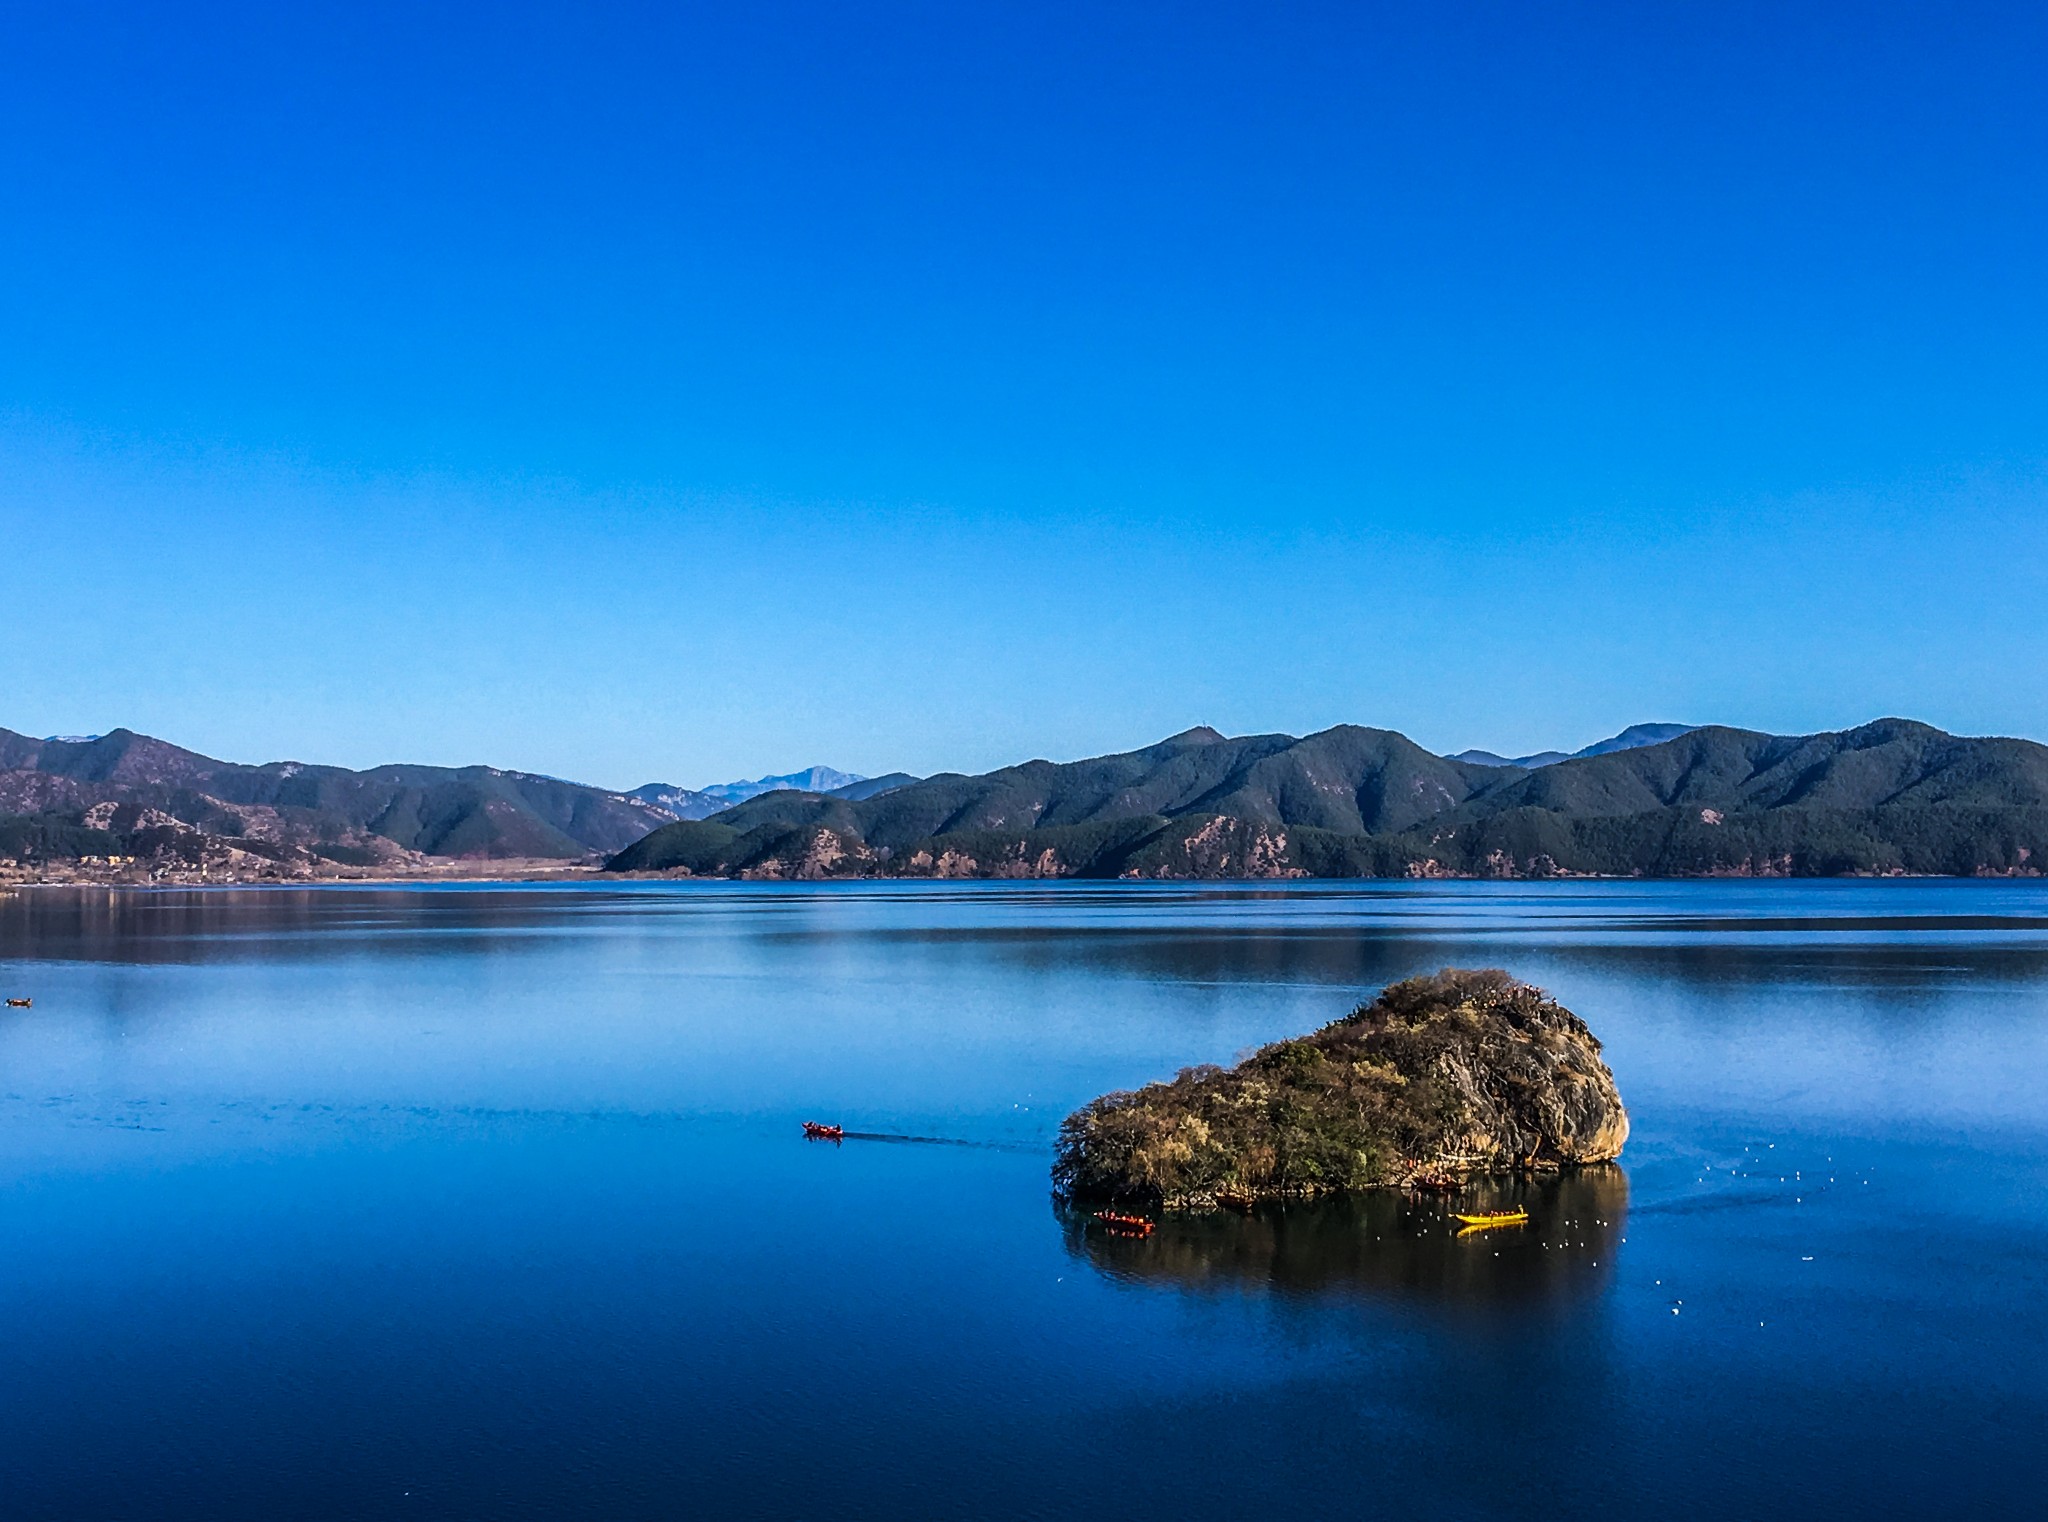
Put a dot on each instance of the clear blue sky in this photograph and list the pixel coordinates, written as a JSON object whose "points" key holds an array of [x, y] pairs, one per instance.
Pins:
{"points": [[687, 392]]}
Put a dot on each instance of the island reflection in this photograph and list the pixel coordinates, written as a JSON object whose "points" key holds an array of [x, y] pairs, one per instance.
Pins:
{"points": [[1383, 1243]]}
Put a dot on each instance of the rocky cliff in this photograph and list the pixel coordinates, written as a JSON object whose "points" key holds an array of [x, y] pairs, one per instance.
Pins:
{"points": [[1459, 1073]]}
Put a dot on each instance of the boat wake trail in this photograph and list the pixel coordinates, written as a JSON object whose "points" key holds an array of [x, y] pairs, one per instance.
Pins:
{"points": [[941, 1141]]}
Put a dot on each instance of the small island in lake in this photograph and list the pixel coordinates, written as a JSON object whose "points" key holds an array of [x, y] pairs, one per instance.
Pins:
{"points": [[1439, 1078]]}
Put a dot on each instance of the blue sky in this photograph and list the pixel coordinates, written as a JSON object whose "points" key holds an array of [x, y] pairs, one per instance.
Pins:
{"points": [[691, 392]]}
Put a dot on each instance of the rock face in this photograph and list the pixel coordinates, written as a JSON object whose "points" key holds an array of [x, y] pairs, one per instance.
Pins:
{"points": [[1463, 1072]]}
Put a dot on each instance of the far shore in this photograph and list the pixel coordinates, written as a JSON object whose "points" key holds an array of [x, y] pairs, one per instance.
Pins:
{"points": [[454, 871], [540, 870]]}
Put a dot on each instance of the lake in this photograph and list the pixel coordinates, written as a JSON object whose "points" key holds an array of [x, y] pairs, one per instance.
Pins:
{"points": [[493, 1203]]}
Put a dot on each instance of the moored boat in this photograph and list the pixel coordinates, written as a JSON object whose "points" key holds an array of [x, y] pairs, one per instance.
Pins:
{"points": [[1128, 1225], [1488, 1218]]}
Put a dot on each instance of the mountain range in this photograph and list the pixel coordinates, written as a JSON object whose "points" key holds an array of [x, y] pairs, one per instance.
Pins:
{"points": [[1891, 796], [128, 795], [134, 799]]}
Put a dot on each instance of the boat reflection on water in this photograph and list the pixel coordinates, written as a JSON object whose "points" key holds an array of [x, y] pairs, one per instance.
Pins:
{"points": [[1384, 1243]]}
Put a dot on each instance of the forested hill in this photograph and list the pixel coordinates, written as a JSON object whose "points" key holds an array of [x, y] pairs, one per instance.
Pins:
{"points": [[1893, 796], [127, 794]]}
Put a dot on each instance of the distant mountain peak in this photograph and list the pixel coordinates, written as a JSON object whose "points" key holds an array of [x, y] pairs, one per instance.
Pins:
{"points": [[702, 803], [1493, 758], [812, 779], [1633, 738], [1201, 734], [676, 802]]}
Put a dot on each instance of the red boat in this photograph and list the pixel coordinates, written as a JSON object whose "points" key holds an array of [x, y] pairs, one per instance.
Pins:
{"points": [[824, 1133], [1130, 1225]]}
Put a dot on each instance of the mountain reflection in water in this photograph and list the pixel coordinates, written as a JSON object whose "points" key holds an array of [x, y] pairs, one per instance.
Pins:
{"points": [[1383, 1243]]}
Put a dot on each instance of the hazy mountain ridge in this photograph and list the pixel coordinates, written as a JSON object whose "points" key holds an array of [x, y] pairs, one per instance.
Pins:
{"points": [[129, 794], [1632, 738], [874, 787], [812, 779], [1892, 796], [679, 802], [701, 803]]}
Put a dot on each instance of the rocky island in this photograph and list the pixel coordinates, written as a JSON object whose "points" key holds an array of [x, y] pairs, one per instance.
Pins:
{"points": [[1438, 1079]]}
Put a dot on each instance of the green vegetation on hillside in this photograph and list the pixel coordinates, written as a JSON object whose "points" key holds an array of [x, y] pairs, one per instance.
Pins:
{"points": [[52, 837], [474, 811], [1891, 797]]}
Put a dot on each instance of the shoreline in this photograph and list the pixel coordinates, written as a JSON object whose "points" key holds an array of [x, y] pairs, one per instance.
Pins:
{"points": [[470, 874], [457, 872]]}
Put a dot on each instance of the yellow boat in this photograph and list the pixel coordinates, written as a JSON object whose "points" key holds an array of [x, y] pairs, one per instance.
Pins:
{"points": [[1494, 1218]]}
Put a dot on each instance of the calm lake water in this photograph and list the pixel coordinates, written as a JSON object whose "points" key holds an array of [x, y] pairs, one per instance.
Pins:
{"points": [[460, 1203]]}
